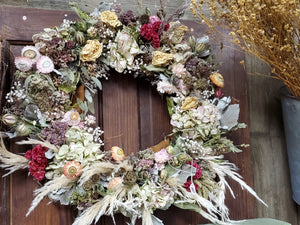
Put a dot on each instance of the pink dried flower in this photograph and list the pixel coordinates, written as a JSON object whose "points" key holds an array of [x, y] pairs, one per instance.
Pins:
{"points": [[219, 93], [23, 63], [153, 19], [72, 169], [117, 153], [72, 118], [44, 64], [162, 156], [178, 69]]}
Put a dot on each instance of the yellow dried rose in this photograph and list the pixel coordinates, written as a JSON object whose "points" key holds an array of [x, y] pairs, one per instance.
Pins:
{"points": [[110, 18], [161, 58], [177, 35], [189, 103], [91, 51]]}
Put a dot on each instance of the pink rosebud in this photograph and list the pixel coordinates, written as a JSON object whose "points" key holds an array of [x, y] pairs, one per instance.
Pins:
{"points": [[153, 19]]}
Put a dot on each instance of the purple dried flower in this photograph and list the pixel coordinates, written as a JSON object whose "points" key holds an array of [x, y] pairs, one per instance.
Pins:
{"points": [[128, 18], [56, 133]]}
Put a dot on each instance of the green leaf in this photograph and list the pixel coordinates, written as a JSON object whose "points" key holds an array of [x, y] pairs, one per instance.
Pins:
{"points": [[85, 72], [97, 82], [88, 95], [78, 11], [170, 104], [189, 206], [91, 107], [153, 68], [67, 88]]}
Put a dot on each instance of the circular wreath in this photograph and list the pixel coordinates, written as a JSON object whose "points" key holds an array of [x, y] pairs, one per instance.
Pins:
{"points": [[51, 101]]}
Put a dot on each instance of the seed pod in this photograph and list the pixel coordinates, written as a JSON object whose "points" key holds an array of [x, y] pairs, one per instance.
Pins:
{"points": [[200, 47], [9, 119], [23, 129]]}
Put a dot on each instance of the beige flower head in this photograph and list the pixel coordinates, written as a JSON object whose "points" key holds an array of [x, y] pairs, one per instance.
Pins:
{"points": [[110, 18], [178, 32], [161, 58], [217, 79], [72, 169], [189, 103], [91, 51], [117, 153], [114, 183]]}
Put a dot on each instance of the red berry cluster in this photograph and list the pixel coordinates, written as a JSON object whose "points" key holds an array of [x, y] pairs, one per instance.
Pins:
{"points": [[150, 33], [38, 162], [197, 176]]}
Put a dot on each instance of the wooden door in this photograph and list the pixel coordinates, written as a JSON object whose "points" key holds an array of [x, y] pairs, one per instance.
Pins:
{"points": [[132, 115]]}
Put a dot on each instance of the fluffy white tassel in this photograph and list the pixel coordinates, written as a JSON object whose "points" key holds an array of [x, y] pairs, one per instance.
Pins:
{"points": [[11, 162], [225, 168], [50, 186], [105, 206]]}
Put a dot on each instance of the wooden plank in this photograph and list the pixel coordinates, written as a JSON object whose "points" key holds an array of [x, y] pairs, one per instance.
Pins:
{"points": [[120, 113], [26, 22], [268, 146], [5, 182], [236, 86], [154, 116], [120, 119]]}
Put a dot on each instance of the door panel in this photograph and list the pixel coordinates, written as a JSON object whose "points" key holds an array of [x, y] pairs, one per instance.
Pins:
{"points": [[132, 114]]}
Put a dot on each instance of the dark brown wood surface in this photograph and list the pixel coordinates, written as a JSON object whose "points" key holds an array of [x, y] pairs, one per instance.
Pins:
{"points": [[133, 116]]}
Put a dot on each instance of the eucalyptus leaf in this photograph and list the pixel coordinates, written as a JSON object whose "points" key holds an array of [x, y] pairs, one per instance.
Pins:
{"points": [[204, 40], [153, 68], [189, 206], [85, 72], [49, 154], [88, 95], [97, 82], [184, 173], [229, 118], [156, 221], [91, 107]]}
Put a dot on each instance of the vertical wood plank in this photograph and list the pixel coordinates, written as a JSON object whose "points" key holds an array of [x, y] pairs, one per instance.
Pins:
{"points": [[272, 180], [120, 113], [120, 119], [236, 86], [153, 114]]}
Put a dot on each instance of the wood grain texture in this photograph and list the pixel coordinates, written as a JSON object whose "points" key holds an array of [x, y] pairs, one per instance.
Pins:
{"points": [[271, 171]]}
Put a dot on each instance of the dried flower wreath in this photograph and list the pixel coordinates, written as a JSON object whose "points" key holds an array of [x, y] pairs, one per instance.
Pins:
{"points": [[66, 64]]}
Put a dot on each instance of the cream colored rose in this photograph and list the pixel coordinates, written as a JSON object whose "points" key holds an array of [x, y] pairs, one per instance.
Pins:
{"points": [[178, 32], [161, 58], [91, 51], [189, 103], [110, 18]]}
